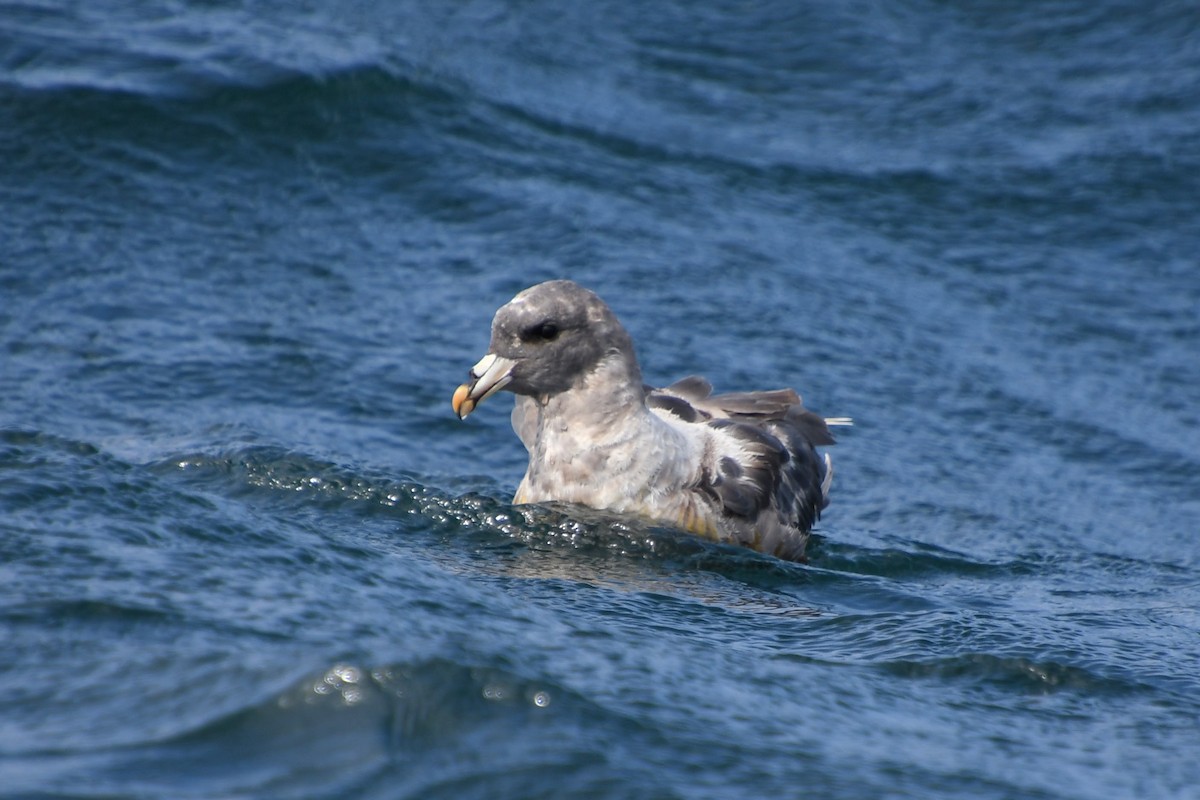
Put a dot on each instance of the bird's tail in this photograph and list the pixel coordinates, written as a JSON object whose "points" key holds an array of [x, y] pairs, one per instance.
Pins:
{"points": [[826, 481]]}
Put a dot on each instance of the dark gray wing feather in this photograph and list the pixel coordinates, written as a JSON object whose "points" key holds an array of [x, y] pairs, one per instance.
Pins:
{"points": [[695, 393], [776, 491]]}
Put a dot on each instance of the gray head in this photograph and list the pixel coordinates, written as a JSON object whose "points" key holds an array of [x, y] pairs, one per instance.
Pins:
{"points": [[545, 341]]}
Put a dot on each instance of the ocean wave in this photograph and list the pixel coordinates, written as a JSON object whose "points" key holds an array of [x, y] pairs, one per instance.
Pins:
{"points": [[165, 50], [397, 730], [478, 531], [915, 560], [484, 515], [1020, 673]]}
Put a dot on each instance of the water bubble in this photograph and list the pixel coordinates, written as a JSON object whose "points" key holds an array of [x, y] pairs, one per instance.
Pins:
{"points": [[346, 673]]}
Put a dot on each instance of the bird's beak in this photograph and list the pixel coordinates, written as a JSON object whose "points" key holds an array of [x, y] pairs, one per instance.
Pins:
{"points": [[489, 376]]}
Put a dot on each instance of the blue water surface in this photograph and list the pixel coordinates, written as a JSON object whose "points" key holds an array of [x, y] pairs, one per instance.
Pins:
{"points": [[248, 249]]}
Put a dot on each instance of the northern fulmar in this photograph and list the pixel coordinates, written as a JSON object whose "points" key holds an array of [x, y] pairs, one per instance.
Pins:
{"points": [[739, 468]]}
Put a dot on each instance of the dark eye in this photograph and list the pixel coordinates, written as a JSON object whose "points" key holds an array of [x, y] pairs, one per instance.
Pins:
{"points": [[541, 332]]}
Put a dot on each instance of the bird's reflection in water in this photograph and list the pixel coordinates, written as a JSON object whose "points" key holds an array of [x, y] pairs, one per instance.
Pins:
{"points": [[595, 548]]}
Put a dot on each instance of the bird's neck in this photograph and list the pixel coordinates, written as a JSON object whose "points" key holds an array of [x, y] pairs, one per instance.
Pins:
{"points": [[598, 444], [604, 400]]}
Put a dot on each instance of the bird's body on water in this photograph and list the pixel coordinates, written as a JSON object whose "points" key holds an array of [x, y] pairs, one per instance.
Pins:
{"points": [[740, 468]]}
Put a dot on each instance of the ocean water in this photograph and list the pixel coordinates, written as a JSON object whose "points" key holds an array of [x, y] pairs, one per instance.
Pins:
{"points": [[248, 250]]}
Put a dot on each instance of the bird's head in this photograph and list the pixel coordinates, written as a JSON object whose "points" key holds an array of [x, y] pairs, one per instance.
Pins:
{"points": [[545, 341]]}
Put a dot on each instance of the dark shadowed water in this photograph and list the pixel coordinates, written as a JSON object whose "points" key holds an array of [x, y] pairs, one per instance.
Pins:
{"points": [[248, 249]]}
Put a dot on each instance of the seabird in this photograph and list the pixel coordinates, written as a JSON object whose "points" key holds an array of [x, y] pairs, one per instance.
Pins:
{"points": [[739, 468]]}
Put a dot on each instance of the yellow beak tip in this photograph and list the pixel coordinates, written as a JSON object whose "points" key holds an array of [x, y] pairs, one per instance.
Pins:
{"points": [[461, 402]]}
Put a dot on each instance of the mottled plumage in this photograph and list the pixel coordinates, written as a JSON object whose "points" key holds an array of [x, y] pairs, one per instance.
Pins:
{"points": [[740, 468]]}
